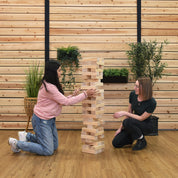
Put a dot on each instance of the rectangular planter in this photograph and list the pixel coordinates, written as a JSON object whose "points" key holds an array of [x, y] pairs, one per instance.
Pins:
{"points": [[115, 79]]}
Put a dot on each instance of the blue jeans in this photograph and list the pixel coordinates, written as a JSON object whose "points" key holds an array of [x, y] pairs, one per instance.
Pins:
{"points": [[45, 139]]}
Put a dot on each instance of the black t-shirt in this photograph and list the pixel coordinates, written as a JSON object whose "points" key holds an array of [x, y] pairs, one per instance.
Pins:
{"points": [[140, 107]]}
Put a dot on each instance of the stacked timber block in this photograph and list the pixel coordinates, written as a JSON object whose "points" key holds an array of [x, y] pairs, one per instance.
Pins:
{"points": [[93, 108]]}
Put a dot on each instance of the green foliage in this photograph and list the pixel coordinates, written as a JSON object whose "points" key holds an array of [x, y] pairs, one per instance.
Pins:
{"points": [[69, 59], [145, 59], [115, 72], [34, 76]]}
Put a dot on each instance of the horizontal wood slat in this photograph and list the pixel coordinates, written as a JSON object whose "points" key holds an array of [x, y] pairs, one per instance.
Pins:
{"points": [[22, 54], [22, 24], [94, 38], [21, 78], [21, 38], [78, 109], [22, 31], [164, 18], [31, 17], [158, 32], [66, 24], [21, 2], [9, 67], [160, 3], [22, 10], [160, 10], [93, 10], [108, 102], [58, 31], [94, 3], [83, 46], [107, 94], [78, 117], [163, 25], [53, 54]]}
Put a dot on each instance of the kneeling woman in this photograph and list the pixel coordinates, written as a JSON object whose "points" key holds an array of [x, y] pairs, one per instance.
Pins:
{"points": [[137, 122], [49, 105]]}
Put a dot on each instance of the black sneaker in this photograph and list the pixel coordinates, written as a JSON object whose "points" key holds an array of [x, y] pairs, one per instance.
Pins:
{"points": [[141, 143]]}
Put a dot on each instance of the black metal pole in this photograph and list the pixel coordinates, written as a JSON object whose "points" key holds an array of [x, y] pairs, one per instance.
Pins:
{"points": [[139, 21], [46, 30]]}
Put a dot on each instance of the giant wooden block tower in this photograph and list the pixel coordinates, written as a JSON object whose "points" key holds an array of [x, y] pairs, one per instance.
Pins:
{"points": [[93, 132]]}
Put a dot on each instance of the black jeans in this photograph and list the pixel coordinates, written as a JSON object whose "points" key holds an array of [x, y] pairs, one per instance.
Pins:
{"points": [[132, 130]]}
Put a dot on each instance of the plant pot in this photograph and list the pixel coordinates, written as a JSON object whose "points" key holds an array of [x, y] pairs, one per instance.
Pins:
{"points": [[154, 121], [29, 104], [115, 79]]}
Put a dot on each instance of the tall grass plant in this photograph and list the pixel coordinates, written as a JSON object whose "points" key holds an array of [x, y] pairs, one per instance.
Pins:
{"points": [[34, 76]]}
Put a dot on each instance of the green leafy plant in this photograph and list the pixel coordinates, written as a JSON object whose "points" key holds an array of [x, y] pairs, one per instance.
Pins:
{"points": [[33, 80], [115, 75], [69, 59], [145, 59], [115, 72]]}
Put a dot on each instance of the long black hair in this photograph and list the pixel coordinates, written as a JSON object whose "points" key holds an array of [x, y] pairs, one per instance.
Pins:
{"points": [[51, 76]]}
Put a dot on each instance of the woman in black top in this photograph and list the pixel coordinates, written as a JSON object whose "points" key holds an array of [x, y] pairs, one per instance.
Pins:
{"points": [[137, 121]]}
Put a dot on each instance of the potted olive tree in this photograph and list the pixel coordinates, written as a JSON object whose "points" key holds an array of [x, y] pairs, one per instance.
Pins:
{"points": [[33, 82], [115, 75], [69, 58], [145, 60]]}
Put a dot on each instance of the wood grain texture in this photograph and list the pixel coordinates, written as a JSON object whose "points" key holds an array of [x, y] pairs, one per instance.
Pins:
{"points": [[157, 160]]}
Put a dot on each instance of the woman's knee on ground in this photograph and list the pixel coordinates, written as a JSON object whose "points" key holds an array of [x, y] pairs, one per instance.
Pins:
{"points": [[117, 143], [48, 151]]}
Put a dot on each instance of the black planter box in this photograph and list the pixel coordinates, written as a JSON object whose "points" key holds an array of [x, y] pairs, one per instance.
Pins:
{"points": [[154, 121], [115, 79]]}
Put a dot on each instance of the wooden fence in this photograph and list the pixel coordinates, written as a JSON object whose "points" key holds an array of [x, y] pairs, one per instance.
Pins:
{"points": [[100, 29]]}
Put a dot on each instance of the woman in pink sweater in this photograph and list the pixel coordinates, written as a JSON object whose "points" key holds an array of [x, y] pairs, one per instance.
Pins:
{"points": [[49, 105]]}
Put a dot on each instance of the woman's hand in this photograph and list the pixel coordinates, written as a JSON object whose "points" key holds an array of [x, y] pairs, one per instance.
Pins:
{"points": [[117, 131], [91, 92], [119, 114]]}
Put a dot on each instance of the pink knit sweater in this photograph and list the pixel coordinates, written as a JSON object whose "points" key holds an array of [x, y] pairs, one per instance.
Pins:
{"points": [[49, 104]]}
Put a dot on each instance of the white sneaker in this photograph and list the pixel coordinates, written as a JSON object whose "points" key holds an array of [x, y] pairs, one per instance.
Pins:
{"points": [[22, 136], [13, 143]]}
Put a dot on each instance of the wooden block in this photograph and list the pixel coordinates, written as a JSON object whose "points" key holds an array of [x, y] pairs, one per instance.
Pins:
{"points": [[92, 116], [88, 150], [92, 108], [98, 147], [90, 73], [98, 143], [93, 112], [92, 150], [89, 87], [97, 106], [95, 132], [91, 130], [89, 101], [97, 99], [92, 68], [87, 78], [94, 123], [99, 112], [88, 60], [89, 137]]}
